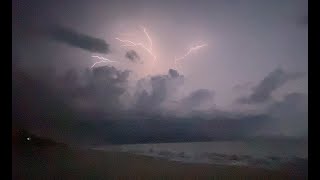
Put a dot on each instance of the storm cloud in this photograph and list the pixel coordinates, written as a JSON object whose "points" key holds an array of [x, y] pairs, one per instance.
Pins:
{"points": [[156, 103], [133, 56], [288, 116], [75, 39], [99, 89], [161, 88], [198, 99], [90, 101], [274, 80]]}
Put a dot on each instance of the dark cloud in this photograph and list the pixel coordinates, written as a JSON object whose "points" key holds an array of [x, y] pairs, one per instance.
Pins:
{"points": [[198, 99], [133, 56], [162, 86], [156, 94], [242, 87], [100, 88], [173, 73], [274, 80], [160, 129], [93, 90], [76, 39], [67, 105], [61, 105], [289, 116]]}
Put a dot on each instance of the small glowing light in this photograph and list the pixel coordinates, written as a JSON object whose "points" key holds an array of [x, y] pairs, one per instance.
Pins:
{"points": [[28, 138]]}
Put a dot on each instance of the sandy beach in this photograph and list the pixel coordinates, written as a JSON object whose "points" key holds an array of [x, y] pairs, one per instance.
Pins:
{"points": [[67, 163]]}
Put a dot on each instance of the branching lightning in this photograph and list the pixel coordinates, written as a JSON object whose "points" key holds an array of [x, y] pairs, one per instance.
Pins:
{"points": [[192, 49], [149, 39], [128, 43], [103, 60], [147, 47]]}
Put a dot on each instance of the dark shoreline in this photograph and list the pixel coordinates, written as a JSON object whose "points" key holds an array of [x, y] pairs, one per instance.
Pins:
{"points": [[35, 157], [67, 163]]}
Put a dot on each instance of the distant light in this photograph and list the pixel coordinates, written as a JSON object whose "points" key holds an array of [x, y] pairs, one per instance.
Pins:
{"points": [[28, 138]]}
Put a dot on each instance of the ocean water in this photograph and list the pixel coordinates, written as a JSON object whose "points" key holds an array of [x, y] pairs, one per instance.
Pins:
{"points": [[269, 154]]}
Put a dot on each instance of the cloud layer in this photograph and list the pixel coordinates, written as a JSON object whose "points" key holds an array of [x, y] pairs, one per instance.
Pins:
{"points": [[274, 80], [75, 39], [98, 102]]}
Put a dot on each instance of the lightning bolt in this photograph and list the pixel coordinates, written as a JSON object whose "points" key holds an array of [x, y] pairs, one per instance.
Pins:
{"points": [[192, 49], [149, 39], [128, 43], [103, 60]]}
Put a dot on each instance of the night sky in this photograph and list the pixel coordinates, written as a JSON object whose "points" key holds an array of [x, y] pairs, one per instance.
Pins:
{"points": [[250, 79]]}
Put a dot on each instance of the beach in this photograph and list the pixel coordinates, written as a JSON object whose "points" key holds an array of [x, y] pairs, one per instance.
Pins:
{"points": [[72, 163]]}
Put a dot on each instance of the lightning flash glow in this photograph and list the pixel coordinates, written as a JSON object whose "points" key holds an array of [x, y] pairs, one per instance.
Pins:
{"points": [[147, 48], [192, 49], [103, 60], [128, 43]]}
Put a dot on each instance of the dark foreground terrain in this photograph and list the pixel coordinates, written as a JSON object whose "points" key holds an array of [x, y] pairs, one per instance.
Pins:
{"points": [[36, 158]]}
